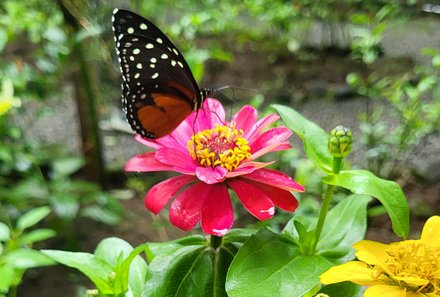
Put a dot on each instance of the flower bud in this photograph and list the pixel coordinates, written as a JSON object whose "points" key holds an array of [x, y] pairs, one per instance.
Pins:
{"points": [[339, 143]]}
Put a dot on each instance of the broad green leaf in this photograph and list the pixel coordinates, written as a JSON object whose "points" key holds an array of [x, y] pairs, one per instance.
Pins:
{"points": [[186, 272], [7, 277], [32, 217], [314, 137], [169, 247], [66, 166], [268, 264], [27, 258], [5, 233], [129, 267], [96, 269], [345, 224], [194, 270], [37, 235], [344, 289], [387, 192], [133, 269], [239, 235]]}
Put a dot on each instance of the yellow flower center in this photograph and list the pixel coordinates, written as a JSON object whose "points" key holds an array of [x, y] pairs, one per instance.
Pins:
{"points": [[222, 146], [414, 266]]}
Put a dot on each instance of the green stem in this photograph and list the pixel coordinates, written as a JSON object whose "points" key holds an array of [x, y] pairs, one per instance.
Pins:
{"points": [[328, 196], [327, 199], [215, 241]]}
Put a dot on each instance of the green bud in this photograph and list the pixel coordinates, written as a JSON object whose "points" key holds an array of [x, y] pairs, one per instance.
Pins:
{"points": [[339, 142]]}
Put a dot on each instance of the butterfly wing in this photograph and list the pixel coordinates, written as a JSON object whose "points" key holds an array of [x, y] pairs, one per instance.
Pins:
{"points": [[158, 89]]}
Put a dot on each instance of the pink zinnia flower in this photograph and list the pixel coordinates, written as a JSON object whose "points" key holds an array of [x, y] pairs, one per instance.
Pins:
{"points": [[212, 154]]}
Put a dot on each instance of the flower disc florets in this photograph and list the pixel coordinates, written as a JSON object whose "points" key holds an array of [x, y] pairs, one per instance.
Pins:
{"points": [[222, 146]]}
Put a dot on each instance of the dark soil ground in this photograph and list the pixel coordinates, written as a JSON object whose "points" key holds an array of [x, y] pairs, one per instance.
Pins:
{"points": [[318, 82]]}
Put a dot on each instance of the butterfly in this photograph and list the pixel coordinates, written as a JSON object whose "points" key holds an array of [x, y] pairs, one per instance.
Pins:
{"points": [[158, 89]]}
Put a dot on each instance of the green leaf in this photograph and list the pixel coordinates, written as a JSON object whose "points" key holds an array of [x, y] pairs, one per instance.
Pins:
{"points": [[167, 248], [129, 267], [345, 224], [66, 166], [344, 289], [96, 269], [37, 235], [5, 233], [387, 192], [7, 277], [268, 264], [194, 270], [314, 137], [27, 258], [32, 217], [186, 272], [133, 270]]}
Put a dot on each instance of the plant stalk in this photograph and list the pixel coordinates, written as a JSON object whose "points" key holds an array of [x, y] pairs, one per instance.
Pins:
{"points": [[327, 199]]}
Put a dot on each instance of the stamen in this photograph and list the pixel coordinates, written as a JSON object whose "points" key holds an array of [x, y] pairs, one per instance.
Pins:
{"points": [[222, 146]]}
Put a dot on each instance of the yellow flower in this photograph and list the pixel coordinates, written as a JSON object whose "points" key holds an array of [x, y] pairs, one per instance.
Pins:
{"points": [[409, 268]]}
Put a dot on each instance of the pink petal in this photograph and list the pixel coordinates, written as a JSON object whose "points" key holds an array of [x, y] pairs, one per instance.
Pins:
{"points": [[247, 167], [185, 209], [261, 125], [281, 198], [206, 117], [271, 148], [146, 163], [181, 135], [217, 211], [159, 195], [254, 200], [270, 137], [150, 143], [274, 178], [179, 161], [211, 175], [245, 119], [217, 111]]}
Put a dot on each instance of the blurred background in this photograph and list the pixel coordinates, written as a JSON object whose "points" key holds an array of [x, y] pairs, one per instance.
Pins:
{"points": [[372, 66]]}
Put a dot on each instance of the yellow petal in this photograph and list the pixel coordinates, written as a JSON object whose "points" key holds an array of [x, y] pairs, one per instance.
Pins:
{"points": [[385, 291], [353, 271], [431, 232], [371, 252], [412, 282]]}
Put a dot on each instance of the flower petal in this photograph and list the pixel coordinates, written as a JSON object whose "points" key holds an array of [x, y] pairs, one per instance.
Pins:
{"points": [[206, 117], [269, 138], [275, 178], [385, 290], [150, 143], [217, 212], [371, 251], [271, 148], [260, 126], [179, 161], [159, 195], [185, 209], [245, 118], [146, 163], [431, 232], [281, 198], [353, 271], [253, 199], [247, 167], [211, 175]]}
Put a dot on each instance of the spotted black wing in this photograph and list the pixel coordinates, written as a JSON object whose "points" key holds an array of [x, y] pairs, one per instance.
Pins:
{"points": [[159, 90]]}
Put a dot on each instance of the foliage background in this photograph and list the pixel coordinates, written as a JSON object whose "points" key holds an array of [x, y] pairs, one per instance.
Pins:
{"points": [[64, 139]]}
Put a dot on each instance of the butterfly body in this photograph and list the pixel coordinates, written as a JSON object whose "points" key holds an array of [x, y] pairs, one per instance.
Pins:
{"points": [[158, 89]]}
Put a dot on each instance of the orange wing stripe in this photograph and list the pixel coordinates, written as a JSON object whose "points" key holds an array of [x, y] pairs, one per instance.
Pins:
{"points": [[165, 115]]}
